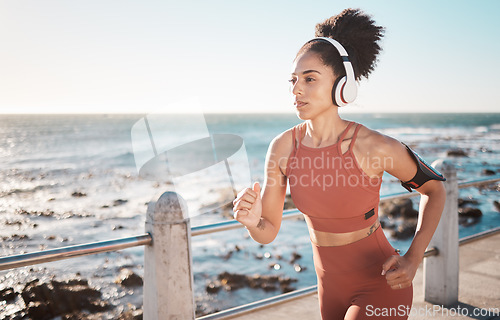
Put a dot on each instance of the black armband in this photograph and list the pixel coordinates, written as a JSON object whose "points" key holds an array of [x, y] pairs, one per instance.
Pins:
{"points": [[424, 172]]}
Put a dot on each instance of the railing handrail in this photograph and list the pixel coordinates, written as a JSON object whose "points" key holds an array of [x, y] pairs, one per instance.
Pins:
{"points": [[471, 183], [233, 224], [27, 259]]}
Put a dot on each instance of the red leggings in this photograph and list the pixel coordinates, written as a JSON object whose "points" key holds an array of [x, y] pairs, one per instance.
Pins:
{"points": [[350, 284]]}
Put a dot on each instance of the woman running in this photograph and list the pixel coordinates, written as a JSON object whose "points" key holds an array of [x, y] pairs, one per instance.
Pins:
{"points": [[334, 168]]}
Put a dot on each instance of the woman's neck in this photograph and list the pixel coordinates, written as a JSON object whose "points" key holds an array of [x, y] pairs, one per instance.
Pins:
{"points": [[324, 130]]}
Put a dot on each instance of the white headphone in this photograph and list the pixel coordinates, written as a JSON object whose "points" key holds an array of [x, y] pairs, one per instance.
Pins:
{"points": [[344, 90]]}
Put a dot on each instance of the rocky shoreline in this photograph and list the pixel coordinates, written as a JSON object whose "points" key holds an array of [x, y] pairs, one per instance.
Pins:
{"points": [[45, 298]]}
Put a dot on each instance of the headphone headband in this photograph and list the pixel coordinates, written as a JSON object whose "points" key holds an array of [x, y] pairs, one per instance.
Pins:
{"points": [[334, 42], [345, 90]]}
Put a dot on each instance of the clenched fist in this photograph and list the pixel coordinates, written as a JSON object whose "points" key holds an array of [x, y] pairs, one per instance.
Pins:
{"points": [[247, 206]]}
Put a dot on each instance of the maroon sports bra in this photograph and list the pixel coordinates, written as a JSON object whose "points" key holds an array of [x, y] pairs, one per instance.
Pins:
{"points": [[329, 187]]}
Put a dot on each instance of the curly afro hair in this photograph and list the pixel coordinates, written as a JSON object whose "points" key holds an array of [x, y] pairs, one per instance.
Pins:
{"points": [[357, 33]]}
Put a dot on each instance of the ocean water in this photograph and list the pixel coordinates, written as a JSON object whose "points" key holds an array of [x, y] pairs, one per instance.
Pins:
{"points": [[71, 179]]}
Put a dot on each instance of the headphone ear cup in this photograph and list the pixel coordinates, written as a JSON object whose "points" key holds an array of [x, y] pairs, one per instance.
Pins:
{"points": [[337, 92]]}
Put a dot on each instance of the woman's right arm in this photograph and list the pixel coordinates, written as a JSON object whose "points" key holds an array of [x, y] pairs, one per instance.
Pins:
{"points": [[260, 211]]}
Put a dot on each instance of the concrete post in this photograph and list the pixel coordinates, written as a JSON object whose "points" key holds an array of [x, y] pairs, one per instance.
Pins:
{"points": [[441, 270], [168, 275]]}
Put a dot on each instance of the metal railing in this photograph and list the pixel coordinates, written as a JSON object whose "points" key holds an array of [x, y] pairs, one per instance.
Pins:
{"points": [[20, 260], [28, 259]]}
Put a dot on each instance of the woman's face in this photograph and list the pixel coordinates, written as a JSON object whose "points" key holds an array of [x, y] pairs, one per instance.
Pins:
{"points": [[312, 84]]}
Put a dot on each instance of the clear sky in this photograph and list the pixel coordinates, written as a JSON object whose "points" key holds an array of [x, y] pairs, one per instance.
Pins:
{"points": [[92, 56]]}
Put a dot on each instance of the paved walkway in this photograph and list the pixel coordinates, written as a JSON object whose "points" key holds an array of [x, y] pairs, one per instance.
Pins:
{"points": [[479, 290]]}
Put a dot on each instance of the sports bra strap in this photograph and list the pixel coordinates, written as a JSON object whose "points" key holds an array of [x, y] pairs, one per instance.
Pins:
{"points": [[300, 134], [296, 136], [344, 133], [354, 135]]}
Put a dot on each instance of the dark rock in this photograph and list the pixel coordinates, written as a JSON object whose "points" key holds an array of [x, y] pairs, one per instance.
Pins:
{"points": [[128, 278], [14, 223], [398, 208], [287, 289], [71, 282], [295, 256], [468, 221], [464, 202], [285, 284], [78, 194], [496, 204], [288, 203], [131, 315], [469, 216], [7, 294], [470, 212], [270, 282], [75, 316], [268, 287], [489, 172], [35, 291], [15, 237], [405, 231], [213, 287], [46, 213], [119, 202], [286, 280], [19, 315], [38, 310], [45, 300], [457, 153], [387, 224], [234, 281]]}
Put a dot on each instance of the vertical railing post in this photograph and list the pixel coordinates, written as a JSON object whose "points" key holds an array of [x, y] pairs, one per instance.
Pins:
{"points": [[441, 270], [168, 275]]}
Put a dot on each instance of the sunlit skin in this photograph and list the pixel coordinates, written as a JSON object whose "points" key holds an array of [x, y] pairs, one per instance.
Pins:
{"points": [[260, 211], [311, 85]]}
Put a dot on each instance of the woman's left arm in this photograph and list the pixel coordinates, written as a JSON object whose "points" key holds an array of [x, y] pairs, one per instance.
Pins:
{"points": [[400, 270]]}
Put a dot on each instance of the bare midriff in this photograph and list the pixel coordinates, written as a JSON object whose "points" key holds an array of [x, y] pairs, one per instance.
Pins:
{"points": [[333, 239]]}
